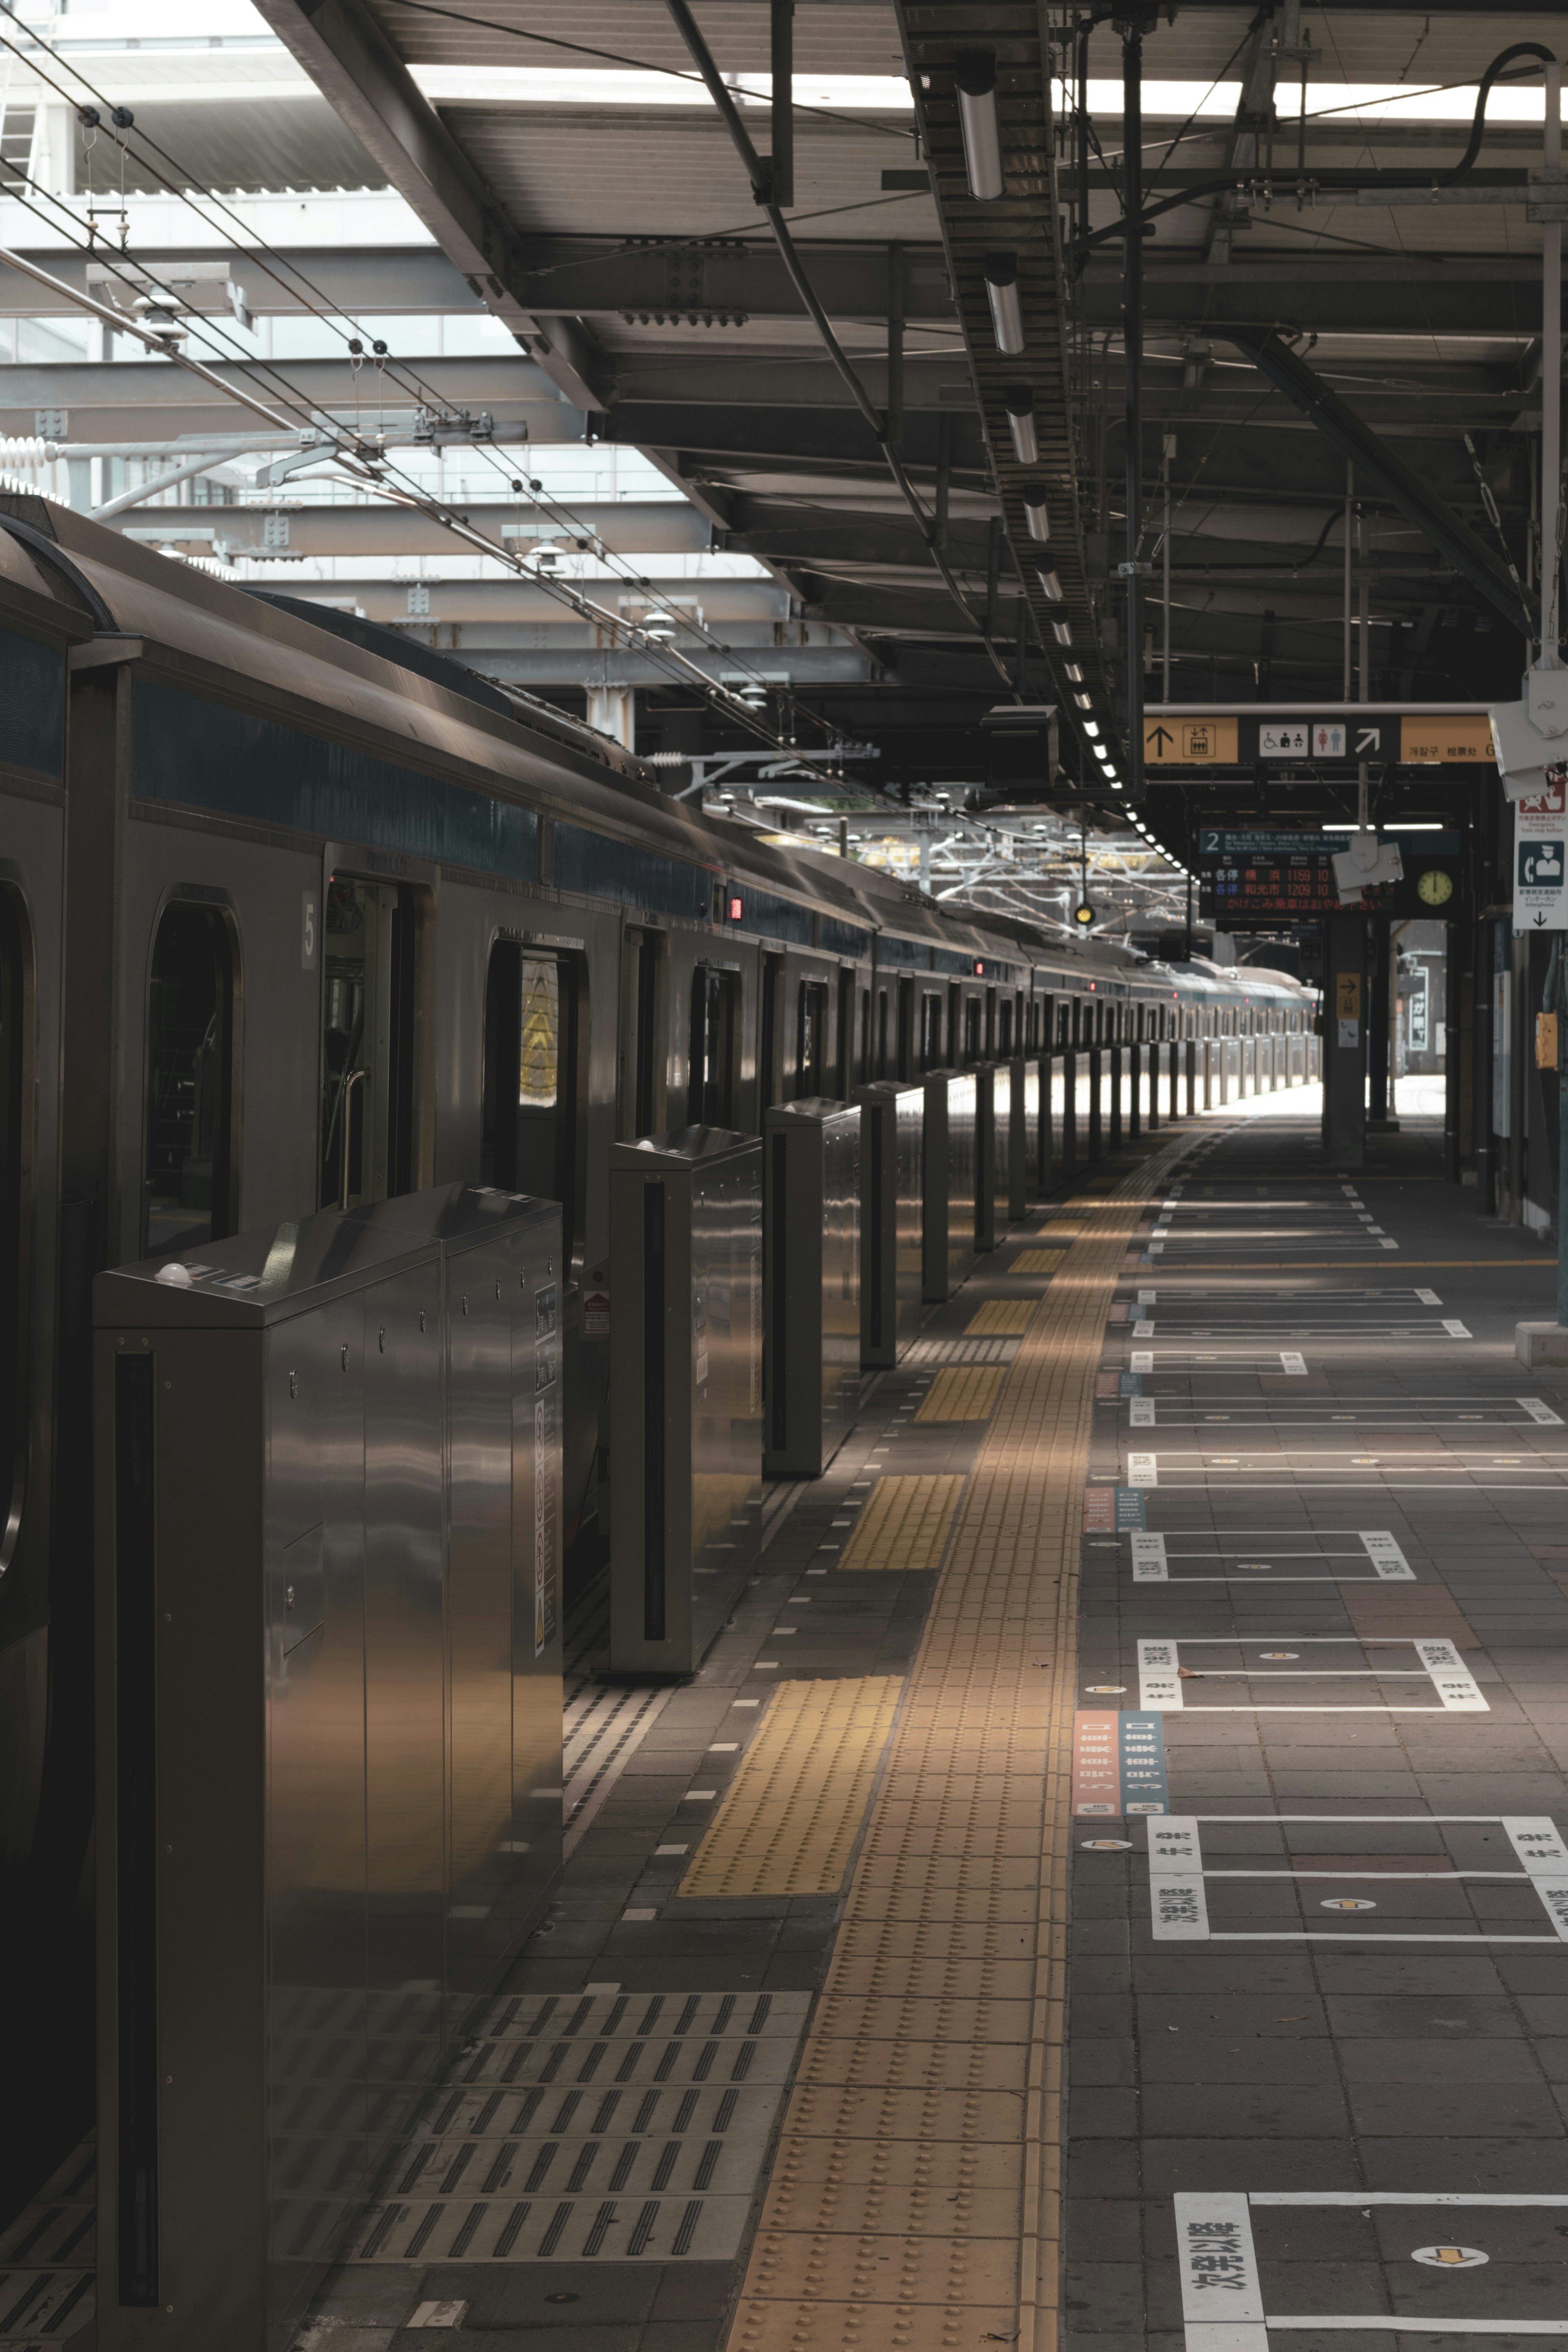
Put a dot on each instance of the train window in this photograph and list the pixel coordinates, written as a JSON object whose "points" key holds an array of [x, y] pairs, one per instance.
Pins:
{"points": [[529, 1082], [770, 1071], [367, 1039], [907, 1039], [931, 1031], [711, 1097], [811, 1039], [989, 1024], [863, 1069], [15, 1160], [954, 1025], [1005, 1028], [971, 1030], [885, 1041], [187, 1159], [640, 1108], [844, 1043]]}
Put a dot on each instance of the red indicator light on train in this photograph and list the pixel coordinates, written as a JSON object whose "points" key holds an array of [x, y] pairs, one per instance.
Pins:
{"points": [[979, 968], [736, 911]]}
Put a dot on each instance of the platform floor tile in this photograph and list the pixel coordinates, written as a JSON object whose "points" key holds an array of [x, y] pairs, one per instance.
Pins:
{"points": [[961, 1395], [905, 1524], [1010, 1316], [790, 1819]]}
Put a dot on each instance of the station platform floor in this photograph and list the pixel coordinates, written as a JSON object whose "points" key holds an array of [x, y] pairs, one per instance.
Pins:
{"points": [[1108, 1880]]}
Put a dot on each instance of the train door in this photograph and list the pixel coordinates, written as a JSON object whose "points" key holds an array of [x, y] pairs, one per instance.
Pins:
{"points": [[188, 1162], [811, 1064], [531, 1063], [640, 1108], [367, 1042], [711, 1100]]}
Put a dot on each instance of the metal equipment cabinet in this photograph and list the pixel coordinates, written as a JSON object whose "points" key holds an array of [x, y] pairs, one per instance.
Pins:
{"points": [[951, 1176], [811, 1282], [329, 1706], [686, 1381], [892, 1146]]}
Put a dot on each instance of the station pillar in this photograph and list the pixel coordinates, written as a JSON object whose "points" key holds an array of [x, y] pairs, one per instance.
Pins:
{"points": [[1345, 1026]]}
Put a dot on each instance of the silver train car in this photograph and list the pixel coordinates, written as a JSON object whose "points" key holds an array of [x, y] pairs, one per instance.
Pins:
{"points": [[293, 915]]}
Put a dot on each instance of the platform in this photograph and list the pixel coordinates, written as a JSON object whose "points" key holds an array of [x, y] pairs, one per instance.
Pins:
{"points": [[1108, 1874]]}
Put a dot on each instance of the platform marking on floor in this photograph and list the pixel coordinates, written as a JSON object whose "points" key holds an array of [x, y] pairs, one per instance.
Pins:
{"points": [[1303, 1413], [1152, 1557], [1179, 1906], [1218, 2257], [1250, 1326], [791, 1817], [1036, 1261], [961, 1395], [905, 1524], [1161, 1677], [1118, 1763]]}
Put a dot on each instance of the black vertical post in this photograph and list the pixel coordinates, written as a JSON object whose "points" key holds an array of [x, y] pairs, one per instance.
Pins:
{"points": [[1133, 347], [944, 429], [993, 572], [1452, 1057], [1083, 33], [781, 175], [1379, 1076], [895, 346]]}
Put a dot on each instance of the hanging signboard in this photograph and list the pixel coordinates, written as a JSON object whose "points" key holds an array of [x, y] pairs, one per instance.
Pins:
{"points": [[1540, 858], [1334, 738]]}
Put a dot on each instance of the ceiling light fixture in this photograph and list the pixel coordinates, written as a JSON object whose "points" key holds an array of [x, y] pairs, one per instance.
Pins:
{"points": [[1091, 729], [1002, 292], [976, 78], [1037, 515], [1073, 672], [1051, 584], [1021, 425], [1062, 631], [1084, 701]]}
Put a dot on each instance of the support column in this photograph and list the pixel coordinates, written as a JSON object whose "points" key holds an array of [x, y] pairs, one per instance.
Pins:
{"points": [[1379, 947], [1344, 1040]]}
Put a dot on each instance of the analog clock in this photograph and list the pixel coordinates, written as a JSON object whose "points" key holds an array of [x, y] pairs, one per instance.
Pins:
{"points": [[1435, 888]]}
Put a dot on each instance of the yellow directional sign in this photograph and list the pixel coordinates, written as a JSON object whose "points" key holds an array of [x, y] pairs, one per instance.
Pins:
{"points": [[1436, 741], [1189, 742]]}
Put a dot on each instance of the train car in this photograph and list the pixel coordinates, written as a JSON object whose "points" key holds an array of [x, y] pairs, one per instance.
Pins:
{"points": [[346, 920]]}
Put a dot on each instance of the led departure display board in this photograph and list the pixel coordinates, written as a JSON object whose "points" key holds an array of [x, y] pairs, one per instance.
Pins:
{"points": [[1275, 878]]}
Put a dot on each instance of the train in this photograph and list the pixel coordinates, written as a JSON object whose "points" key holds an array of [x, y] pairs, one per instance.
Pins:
{"points": [[294, 914]]}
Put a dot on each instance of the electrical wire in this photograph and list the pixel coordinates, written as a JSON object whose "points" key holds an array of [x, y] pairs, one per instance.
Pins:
{"points": [[409, 492], [426, 395]]}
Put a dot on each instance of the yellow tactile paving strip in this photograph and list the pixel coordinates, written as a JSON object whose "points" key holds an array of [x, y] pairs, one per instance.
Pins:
{"points": [[789, 1822], [963, 1393], [1002, 1318], [905, 1524], [915, 2201], [1036, 1261]]}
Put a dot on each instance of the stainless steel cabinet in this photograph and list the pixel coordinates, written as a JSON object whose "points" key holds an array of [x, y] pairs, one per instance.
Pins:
{"points": [[686, 1403], [892, 1150], [329, 1702], [811, 1282]]}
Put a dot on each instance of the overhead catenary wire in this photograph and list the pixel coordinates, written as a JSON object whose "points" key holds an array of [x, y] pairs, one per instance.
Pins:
{"points": [[677, 667], [411, 384]]}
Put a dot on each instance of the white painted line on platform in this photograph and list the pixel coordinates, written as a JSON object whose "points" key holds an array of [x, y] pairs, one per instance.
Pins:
{"points": [[1539, 1410]]}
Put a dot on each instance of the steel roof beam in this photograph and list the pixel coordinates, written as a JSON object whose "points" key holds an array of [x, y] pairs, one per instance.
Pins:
{"points": [[358, 71], [1377, 464]]}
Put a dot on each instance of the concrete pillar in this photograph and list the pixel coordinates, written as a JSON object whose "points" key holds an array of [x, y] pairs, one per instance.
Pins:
{"points": [[613, 711]]}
